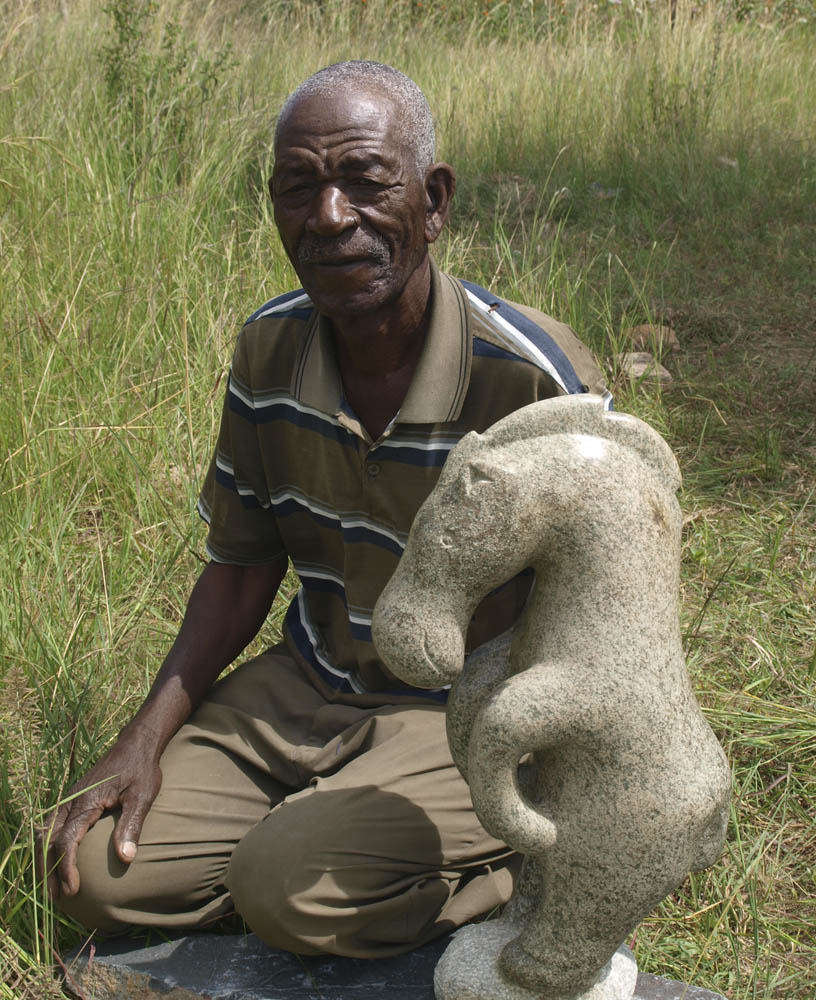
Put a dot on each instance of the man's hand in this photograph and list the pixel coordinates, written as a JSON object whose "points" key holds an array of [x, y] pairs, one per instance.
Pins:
{"points": [[126, 778], [226, 608]]}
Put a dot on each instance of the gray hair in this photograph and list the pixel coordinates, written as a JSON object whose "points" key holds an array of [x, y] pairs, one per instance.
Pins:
{"points": [[415, 122]]}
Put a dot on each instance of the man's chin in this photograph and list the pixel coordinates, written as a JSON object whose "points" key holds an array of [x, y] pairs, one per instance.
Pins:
{"points": [[345, 291]]}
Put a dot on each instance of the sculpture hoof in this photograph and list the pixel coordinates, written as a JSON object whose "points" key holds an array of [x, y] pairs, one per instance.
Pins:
{"points": [[469, 970]]}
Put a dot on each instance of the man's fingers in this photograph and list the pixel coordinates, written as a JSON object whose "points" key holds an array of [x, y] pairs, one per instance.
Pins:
{"points": [[66, 842], [135, 807]]}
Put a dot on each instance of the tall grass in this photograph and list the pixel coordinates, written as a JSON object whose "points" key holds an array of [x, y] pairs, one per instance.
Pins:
{"points": [[611, 171]]}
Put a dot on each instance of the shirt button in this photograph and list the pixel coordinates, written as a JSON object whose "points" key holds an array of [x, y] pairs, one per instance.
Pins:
{"points": [[373, 469]]}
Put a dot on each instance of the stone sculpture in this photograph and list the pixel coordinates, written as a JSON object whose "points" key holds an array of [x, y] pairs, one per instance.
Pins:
{"points": [[579, 733]]}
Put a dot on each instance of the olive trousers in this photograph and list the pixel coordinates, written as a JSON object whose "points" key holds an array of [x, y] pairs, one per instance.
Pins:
{"points": [[329, 827]]}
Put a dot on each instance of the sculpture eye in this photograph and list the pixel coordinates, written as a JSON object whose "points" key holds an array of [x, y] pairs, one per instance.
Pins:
{"points": [[447, 540], [477, 473]]}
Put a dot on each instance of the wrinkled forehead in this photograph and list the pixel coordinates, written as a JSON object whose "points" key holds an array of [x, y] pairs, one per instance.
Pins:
{"points": [[343, 115]]}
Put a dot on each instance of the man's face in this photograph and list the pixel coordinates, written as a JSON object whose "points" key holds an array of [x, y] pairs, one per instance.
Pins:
{"points": [[349, 202]]}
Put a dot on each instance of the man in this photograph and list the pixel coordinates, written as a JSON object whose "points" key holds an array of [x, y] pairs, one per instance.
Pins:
{"points": [[309, 790]]}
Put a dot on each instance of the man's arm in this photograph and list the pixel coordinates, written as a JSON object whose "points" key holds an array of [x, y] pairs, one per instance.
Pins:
{"points": [[226, 609]]}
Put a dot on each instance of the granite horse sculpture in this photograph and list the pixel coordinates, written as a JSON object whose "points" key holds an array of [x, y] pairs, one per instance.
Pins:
{"points": [[578, 733]]}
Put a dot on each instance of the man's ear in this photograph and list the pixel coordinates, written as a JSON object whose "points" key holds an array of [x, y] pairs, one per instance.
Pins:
{"points": [[440, 184]]}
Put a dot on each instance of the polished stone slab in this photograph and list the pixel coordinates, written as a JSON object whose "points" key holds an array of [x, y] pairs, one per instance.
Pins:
{"points": [[238, 967]]}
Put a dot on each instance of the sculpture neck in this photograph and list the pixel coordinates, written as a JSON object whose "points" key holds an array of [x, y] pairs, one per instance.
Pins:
{"points": [[590, 596]]}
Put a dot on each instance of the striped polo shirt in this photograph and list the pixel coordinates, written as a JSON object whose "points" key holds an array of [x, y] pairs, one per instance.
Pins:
{"points": [[294, 470]]}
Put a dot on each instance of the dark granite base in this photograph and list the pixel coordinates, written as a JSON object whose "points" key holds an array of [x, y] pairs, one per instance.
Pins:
{"points": [[234, 967]]}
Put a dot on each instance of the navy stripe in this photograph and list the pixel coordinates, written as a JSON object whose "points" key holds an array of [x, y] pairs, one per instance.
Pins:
{"points": [[321, 585], [360, 533], [435, 458], [300, 313], [306, 421], [290, 414], [440, 696], [237, 405], [318, 584], [356, 533], [225, 479], [538, 336], [294, 626], [295, 313], [289, 506], [248, 500], [484, 349]]}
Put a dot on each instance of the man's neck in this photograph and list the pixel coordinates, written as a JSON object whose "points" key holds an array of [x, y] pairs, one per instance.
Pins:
{"points": [[378, 353]]}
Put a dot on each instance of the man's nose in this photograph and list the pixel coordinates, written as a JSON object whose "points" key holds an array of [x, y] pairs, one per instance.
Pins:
{"points": [[331, 213]]}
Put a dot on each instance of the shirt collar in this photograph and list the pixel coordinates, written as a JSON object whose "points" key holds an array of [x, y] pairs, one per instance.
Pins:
{"points": [[437, 391]]}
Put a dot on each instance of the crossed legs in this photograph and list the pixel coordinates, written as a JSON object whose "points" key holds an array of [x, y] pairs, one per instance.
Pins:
{"points": [[328, 827]]}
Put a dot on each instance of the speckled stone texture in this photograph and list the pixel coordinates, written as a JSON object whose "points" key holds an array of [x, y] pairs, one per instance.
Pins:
{"points": [[579, 734], [470, 960]]}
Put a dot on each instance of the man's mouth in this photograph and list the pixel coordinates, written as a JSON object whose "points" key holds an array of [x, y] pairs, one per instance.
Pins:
{"points": [[347, 251], [340, 261]]}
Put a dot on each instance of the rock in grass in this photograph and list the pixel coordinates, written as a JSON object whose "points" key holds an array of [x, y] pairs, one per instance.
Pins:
{"points": [[653, 337], [638, 365]]}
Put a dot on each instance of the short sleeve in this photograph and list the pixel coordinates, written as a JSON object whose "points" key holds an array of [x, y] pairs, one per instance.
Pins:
{"points": [[234, 500], [577, 352]]}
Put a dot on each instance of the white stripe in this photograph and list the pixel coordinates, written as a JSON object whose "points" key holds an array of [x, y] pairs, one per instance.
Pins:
{"points": [[331, 515], [607, 399], [241, 488], [246, 400], [318, 574], [371, 527], [203, 513], [310, 635], [359, 619], [516, 339], [280, 399], [420, 445], [284, 306]]}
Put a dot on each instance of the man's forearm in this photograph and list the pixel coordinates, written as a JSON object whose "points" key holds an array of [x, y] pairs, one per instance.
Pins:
{"points": [[226, 609]]}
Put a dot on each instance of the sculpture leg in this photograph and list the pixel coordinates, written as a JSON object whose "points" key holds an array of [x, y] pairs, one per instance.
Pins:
{"points": [[488, 961], [470, 970], [484, 670]]}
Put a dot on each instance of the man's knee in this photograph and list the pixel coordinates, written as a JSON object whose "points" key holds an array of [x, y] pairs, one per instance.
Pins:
{"points": [[350, 871], [168, 885], [101, 891]]}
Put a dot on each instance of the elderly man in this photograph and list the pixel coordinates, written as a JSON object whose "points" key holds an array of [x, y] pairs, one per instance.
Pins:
{"points": [[309, 790]]}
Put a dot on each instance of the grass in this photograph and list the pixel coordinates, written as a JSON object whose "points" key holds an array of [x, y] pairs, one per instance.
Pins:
{"points": [[611, 171]]}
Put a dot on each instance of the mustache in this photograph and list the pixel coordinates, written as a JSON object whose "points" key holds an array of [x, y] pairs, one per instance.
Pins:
{"points": [[312, 248]]}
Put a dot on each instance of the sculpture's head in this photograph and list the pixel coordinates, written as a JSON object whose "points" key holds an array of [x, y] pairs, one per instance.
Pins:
{"points": [[463, 544], [526, 491]]}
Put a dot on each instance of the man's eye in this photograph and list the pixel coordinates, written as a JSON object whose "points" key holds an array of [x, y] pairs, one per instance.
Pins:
{"points": [[295, 189]]}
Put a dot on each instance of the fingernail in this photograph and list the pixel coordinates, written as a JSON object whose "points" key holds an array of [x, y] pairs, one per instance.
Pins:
{"points": [[129, 850]]}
